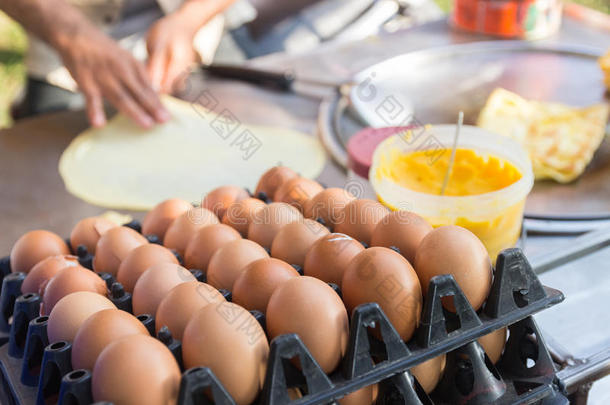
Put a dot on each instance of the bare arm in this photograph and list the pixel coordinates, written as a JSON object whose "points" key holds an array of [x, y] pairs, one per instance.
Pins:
{"points": [[98, 65], [51, 20], [170, 40]]}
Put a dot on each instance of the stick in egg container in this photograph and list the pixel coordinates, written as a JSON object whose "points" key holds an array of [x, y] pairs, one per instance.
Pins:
{"points": [[453, 149]]}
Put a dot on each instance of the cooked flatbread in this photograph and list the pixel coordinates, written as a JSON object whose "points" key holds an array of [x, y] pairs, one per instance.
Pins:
{"points": [[124, 166], [561, 140]]}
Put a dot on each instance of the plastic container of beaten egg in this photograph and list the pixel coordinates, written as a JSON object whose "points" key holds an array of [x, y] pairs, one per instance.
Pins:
{"points": [[495, 217]]}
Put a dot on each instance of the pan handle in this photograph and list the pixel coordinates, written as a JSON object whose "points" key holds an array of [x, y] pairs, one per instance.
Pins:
{"points": [[578, 247], [278, 80]]}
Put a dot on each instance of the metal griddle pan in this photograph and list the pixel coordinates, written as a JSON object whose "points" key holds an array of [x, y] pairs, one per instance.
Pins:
{"points": [[433, 85]]}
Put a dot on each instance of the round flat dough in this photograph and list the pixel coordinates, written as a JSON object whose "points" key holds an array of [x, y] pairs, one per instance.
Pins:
{"points": [[124, 166]]}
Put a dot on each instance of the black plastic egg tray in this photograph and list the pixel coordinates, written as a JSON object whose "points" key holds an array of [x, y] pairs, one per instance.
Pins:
{"points": [[34, 372]]}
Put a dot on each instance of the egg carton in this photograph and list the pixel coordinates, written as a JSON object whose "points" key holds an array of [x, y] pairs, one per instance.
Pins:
{"points": [[34, 372]]}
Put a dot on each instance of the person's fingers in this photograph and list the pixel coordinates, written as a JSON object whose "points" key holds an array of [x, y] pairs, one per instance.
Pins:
{"points": [[170, 75], [134, 78], [177, 67], [94, 101], [114, 91], [156, 64]]}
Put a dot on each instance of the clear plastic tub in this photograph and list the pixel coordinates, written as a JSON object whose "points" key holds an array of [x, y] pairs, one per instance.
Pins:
{"points": [[495, 217]]}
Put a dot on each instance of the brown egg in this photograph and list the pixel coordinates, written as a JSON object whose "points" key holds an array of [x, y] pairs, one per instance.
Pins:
{"points": [[162, 215], [69, 280], [329, 256], [359, 219], [328, 205], [185, 226], [493, 343], [258, 280], [34, 246], [311, 309], [44, 270], [294, 240], [272, 179], [221, 198], [155, 283], [240, 215], [205, 243], [230, 341], [383, 276], [402, 229], [98, 331], [363, 396], [88, 231], [268, 222], [429, 372], [141, 259], [181, 303], [114, 246], [230, 260], [135, 370], [72, 311], [457, 251], [297, 191]]}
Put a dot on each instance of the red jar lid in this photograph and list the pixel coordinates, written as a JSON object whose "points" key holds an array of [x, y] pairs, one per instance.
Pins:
{"points": [[361, 146]]}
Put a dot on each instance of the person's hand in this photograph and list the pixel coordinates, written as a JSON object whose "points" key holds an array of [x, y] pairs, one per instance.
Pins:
{"points": [[102, 69], [170, 51]]}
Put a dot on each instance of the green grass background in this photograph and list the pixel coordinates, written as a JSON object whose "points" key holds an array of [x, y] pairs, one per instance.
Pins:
{"points": [[13, 45]]}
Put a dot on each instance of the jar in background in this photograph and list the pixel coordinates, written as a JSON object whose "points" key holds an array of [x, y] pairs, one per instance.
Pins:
{"points": [[518, 19]]}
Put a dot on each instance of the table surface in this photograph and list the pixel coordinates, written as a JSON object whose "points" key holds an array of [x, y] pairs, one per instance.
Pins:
{"points": [[32, 194]]}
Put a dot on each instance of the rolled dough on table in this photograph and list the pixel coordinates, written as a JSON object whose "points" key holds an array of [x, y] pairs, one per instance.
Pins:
{"points": [[126, 167]]}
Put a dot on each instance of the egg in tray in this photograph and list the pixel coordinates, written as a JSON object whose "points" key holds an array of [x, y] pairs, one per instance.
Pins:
{"points": [[247, 292]]}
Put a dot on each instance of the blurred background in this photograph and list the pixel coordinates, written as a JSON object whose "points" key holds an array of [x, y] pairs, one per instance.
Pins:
{"points": [[13, 44]]}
